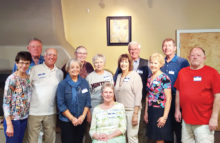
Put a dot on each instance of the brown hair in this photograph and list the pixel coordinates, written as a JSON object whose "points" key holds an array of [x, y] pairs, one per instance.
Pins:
{"points": [[126, 56], [167, 40]]}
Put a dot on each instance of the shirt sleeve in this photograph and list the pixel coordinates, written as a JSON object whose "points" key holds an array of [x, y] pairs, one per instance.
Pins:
{"points": [[60, 98], [88, 98], [166, 82], [7, 98], [137, 89], [122, 123], [215, 82]]}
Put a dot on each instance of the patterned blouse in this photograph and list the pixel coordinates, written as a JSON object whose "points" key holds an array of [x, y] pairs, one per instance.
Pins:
{"points": [[107, 121], [156, 95], [16, 100]]}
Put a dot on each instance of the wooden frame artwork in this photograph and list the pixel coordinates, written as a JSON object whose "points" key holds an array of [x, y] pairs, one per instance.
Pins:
{"points": [[118, 30]]}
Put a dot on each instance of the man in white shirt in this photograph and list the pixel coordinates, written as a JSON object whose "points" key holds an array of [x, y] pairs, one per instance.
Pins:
{"points": [[44, 79]]}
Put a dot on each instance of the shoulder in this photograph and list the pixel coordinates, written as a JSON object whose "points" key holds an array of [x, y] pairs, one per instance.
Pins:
{"points": [[143, 61], [210, 69], [182, 60], [119, 105], [107, 73]]}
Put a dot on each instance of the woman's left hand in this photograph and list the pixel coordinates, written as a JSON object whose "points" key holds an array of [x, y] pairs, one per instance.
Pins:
{"points": [[161, 122], [135, 119], [81, 119]]}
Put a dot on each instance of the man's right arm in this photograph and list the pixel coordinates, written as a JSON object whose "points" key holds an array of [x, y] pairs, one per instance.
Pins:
{"points": [[177, 107]]}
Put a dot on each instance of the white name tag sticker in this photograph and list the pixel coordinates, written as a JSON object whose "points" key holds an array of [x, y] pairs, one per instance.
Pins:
{"points": [[197, 78], [171, 72], [139, 71], [126, 79], [41, 75], [107, 78], [84, 90]]}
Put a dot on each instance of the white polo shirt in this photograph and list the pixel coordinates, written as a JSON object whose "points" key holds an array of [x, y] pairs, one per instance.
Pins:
{"points": [[44, 83]]}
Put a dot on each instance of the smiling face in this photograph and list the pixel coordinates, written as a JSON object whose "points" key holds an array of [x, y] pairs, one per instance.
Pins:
{"points": [[124, 64], [99, 64], [22, 66], [197, 58], [108, 94], [74, 69], [50, 57], [155, 65], [169, 48], [35, 48], [134, 51], [81, 55]]}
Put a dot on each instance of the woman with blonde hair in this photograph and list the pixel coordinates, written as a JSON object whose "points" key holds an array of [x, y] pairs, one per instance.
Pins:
{"points": [[158, 102]]}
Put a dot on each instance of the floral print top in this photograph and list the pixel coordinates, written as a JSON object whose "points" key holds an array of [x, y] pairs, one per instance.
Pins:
{"points": [[16, 100], [156, 95], [107, 121]]}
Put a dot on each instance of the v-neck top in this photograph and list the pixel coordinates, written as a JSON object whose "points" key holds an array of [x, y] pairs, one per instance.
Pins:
{"points": [[156, 95]]}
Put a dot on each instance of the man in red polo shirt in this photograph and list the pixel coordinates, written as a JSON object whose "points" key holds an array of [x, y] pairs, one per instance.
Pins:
{"points": [[198, 95]]}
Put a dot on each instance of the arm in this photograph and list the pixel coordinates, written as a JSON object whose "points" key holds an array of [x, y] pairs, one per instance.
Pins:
{"points": [[9, 88], [213, 122], [137, 90], [177, 107], [146, 111], [83, 116], [162, 120]]}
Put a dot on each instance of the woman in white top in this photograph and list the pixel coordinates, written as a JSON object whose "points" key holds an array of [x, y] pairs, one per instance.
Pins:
{"points": [[128, 91], [108, 119]]}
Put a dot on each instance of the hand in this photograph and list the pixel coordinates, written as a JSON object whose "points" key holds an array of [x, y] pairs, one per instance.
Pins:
{"points": [[89, 117], [213, 124], [100, 137], [10, 130], [161, 122], [80, 119], [146, 117], [74, 121], [134, 119], [178, 116]]}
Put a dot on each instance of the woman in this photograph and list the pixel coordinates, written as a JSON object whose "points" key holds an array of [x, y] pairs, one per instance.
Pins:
{"points": [[96, 79], [128, 91], [73, 102], [16, 100], [108, 119], [158, 101]]}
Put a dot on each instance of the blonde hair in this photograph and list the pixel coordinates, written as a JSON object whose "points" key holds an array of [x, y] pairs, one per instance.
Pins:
{"points": [[158, 57]]}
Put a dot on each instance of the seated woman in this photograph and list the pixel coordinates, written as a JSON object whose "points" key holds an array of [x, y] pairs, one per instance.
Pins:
{"points": [[108, 119], [158, 101], [16, 100], [73, 102]]}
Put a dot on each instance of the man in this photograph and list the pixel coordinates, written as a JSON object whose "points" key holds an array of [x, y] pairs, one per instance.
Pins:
{"points": [[173, 64], [44, 79], [35, 49], [140, 65], [81, 54], [198, 94]]}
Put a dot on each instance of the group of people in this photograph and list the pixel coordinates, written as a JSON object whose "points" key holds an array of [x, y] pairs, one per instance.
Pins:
{"points": [[144, 101]]}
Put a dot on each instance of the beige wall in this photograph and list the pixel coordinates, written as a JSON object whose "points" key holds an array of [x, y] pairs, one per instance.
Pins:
{"points": [[152, 21]]}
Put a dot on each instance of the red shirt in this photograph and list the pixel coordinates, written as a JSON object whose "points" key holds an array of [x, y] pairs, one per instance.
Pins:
{"points": [[197, 89]]}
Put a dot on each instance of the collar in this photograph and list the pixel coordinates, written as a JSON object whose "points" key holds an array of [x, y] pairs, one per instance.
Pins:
{"points": [[174, 59], [46, 67], [137, 61]]}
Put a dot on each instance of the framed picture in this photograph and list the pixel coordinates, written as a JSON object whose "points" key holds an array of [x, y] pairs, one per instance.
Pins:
{"points": [[118, 30]]}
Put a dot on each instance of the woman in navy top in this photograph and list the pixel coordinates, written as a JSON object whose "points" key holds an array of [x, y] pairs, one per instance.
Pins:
{"points": [[73, 101]]}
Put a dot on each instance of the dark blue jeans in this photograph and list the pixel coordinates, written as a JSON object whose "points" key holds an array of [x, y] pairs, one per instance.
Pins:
{"points": [[19, 129]]}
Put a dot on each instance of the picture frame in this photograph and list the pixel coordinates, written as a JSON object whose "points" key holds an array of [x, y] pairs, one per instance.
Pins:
{"points": [[118, 30]]}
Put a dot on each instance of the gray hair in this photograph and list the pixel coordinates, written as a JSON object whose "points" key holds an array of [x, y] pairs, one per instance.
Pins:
{"points": [[70, 61], [134, 43], [45, 52], [98, 56], [107, 84], [79, 47]]}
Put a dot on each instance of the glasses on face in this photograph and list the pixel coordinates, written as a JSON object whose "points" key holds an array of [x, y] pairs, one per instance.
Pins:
{"points": [[24, 63], [81, 53], [136, 49]]}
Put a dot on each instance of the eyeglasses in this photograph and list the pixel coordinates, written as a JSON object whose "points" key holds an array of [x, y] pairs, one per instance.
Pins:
{"points": [[81, 53], [24, 63]]}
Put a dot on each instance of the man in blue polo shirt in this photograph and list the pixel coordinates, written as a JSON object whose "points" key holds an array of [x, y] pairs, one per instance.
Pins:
{"points": [[173, 64], [35, 49]]}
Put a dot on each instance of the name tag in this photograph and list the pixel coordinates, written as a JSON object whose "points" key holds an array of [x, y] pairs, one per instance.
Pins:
{"points": [[197, 78], [41, 75], [126, 79], [155, 82], [171, 72], [84, 90], [107, 78], [139, 71]]}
